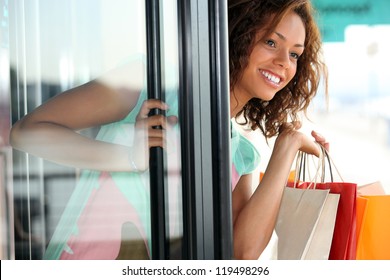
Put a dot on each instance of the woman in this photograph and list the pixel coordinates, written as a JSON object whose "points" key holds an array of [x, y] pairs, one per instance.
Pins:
{"points": [[274, 71]]}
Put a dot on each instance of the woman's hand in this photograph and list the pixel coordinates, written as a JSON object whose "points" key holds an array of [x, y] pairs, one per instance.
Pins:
{"points": [[320, 140], [150, 131], [289, 133]]}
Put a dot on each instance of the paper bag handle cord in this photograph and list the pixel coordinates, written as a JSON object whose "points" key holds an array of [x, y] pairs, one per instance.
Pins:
{"points": [[301, 164], [300, 168], [331, 163]]}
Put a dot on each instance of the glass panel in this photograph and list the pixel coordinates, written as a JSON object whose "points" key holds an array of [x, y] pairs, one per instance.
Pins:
{"points": [[6, 215], [170, 72], [90, 51]]}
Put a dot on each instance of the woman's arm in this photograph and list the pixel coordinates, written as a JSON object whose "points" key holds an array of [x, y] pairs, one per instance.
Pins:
{"points": [[255, 221], [50, 130]]}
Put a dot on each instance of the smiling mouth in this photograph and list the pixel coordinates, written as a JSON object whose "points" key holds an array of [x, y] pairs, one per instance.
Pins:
{"points": [[272, 78]]}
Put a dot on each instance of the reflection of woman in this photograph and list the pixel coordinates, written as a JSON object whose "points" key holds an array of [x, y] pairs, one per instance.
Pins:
{"points": [[274, 71], [109, 207]]}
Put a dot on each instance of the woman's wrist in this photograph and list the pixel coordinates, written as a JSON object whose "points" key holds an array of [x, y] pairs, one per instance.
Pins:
{"points": [[293, 141], [288, 142]]}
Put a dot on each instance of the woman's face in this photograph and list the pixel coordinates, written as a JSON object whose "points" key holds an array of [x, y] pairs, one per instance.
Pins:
{"points": [[273, 61]]}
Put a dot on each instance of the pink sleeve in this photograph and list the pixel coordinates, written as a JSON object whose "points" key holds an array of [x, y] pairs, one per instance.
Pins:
{"points": [[235, 177]]}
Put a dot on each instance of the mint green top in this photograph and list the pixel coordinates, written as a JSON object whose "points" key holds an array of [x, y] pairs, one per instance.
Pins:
{"points": [[245, 156]]}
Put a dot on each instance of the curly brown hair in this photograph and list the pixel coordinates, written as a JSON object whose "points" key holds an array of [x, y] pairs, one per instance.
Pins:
{"points": [[246, 18]]}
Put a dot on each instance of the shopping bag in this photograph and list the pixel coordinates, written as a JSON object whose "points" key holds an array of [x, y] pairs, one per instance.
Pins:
{"points": [[298, 216], [373, 223], [319, 247], [374, 188], [344, 239], [305, 223]]}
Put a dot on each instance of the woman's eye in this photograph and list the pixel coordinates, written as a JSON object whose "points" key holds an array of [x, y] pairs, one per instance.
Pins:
{"points": [[295, 56], [270, 43]]}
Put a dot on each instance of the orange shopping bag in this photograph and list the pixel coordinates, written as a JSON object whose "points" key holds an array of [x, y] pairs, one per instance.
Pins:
{"points": [[373, 223]]}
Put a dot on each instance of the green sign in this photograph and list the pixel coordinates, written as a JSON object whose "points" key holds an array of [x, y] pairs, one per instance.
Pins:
{"points": [[335, 15]]}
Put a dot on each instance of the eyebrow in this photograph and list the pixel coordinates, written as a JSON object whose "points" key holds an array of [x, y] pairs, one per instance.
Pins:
{"points": [[281, 36]]}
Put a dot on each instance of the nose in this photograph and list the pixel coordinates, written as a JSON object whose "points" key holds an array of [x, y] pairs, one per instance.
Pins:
{"points": [[282, 59]]}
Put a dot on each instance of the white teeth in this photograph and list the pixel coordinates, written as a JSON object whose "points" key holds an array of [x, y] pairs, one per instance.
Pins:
{"points": [[271, 77]]}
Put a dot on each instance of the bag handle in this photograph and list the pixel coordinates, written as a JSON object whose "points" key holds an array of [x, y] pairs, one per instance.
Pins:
{"points": [[301, 169], [323, 163], [331, 165]]}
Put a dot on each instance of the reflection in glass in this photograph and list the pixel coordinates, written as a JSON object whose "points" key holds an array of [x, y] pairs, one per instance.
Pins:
{"points": [[67, 209]]}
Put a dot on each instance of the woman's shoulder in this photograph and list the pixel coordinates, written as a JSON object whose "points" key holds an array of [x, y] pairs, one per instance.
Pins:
{"points": [[245, 155]]}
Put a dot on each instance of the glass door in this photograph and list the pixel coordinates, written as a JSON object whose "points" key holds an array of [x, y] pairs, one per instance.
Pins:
{"points": [[56, 47], [81, 204]]}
